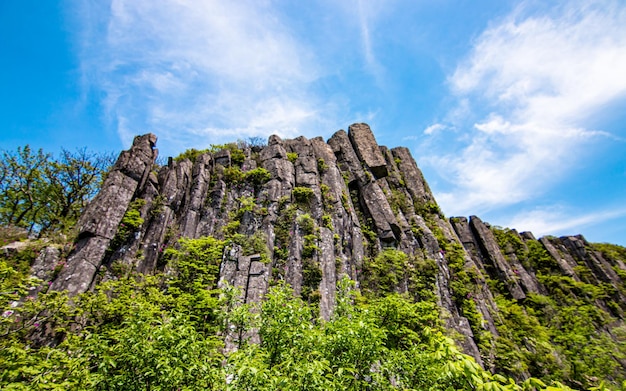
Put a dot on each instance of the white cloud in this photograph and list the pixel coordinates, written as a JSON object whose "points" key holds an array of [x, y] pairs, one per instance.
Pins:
{"points": [[183, 68], [434, 128], [555, 220], [536, 79]]}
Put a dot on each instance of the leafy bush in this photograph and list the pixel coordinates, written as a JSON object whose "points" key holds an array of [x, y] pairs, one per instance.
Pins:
{"points": [[131, 222], [292, 156], [258, 176], [191, 154], [143, 334], [306, 223], [302, 194], [233, 175], [322, 167]]}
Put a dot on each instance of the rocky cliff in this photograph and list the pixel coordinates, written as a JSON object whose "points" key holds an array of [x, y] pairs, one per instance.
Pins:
{"points": [[310, 211]]}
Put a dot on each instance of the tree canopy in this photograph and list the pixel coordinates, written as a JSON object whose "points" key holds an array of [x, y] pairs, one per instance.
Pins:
{"points": [[42, 193]]}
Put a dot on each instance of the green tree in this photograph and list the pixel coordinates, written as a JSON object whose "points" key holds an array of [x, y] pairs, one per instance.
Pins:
{"points": [[72, 180], [43, 194], [23, 187]]}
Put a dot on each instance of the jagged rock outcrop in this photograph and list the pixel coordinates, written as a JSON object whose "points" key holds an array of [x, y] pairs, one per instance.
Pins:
{"points": [[316, 211], [99, 223]]}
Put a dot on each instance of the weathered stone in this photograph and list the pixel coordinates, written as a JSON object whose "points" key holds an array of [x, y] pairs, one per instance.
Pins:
{"points": [[274, 151], [281, 170], [222, 158], [175, 184], [348, 160], [378, 208], [136, 163], [565, 261], [14, 247], [491, 254], [10, 234], [328, 285], [82, 265], [413, 178], [100, 221], [527, 281], [104, 213], [601, 270], [462, 229], [200, 176], [357, 186], [367, 150], [273, 140]]}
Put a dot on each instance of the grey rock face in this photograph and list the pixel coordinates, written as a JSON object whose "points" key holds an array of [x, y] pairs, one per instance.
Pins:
{"points": [[495, 259], [413, 178], [99, 223], [378, 208], [367, 149], [347, 158], [356, 200]]}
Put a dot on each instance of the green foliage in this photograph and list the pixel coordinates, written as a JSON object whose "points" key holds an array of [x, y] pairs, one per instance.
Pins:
{"points": [[327, 221], [254, 244], [384, 273], [311, 278], [233, 175], [464, 286], [191, 154], [124, 335], [141, 334], [258, 176], [399, 202], [612, 251], [130, 223], [306, 223], [195, 266], [302, 195], [158, 205], [509, 241], [292, 156], [539, 259], [387, 344], [237, 155], [327, 196], [196, 263], [322, 167], [46, 194], [428, 208]]}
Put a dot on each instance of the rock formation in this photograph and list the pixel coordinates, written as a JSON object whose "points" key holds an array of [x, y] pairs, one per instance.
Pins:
{"points": [[322, 211]]}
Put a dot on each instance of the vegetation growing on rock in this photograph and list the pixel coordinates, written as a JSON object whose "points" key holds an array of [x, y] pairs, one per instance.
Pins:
{"points": [[300, 264]]}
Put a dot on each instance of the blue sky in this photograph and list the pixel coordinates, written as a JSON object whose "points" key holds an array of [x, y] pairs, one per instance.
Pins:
{"points": [[514, 110]]}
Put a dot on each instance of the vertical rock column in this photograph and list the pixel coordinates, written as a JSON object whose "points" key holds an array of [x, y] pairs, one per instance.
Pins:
{"points": [[492, 255], [98, 224]]}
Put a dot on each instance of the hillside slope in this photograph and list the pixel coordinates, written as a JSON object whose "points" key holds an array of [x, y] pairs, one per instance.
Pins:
{"points": [[311, 212]]}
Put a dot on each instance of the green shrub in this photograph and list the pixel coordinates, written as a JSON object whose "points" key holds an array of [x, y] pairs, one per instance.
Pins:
{"points": [[191, 154], [322, 167], [327, 221], [302, 194], [130, 223], [233, 175], [292, 156], [258, 176], [306, 223]]}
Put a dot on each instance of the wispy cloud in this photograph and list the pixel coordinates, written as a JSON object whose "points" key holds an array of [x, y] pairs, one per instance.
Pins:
{"points": [[534, 82], [218, 69], [434, 128], [367, 15], [545, 221]]}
